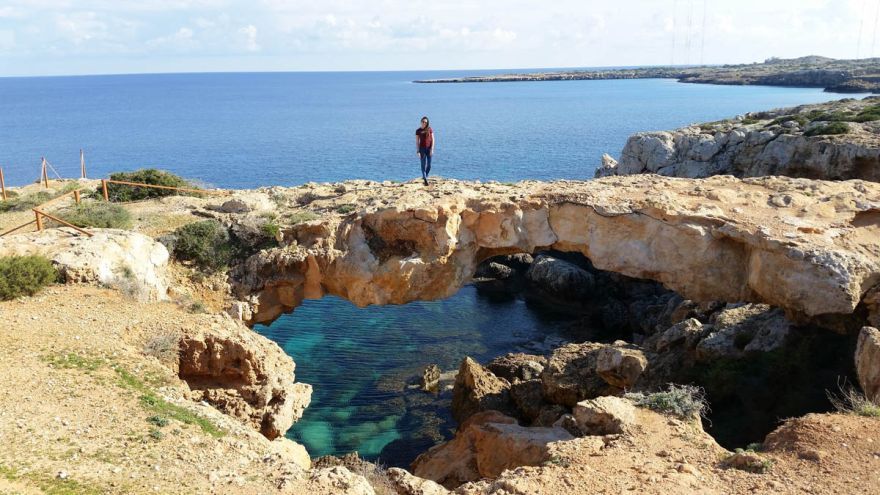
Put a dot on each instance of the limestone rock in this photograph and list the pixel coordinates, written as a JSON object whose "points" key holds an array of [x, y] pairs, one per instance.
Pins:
{"points": [[485, 445], [608, 167], [560, 279], [688, 333], [744, 149], [129, 261], [477, 389], [528, 397], [244, 375], [338, 480], [517, 366], [621, 364], [570, 375], [246, 202], [868, 362], [430, 378], [604, 415], [407, 484], [493, 270], [740, 329]]}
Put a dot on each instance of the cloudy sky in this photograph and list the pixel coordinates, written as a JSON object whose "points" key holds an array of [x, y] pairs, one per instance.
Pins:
{"points": [[43, 37]]}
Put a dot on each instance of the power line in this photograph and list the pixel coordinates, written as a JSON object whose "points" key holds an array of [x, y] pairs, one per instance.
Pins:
{"points": [[861, 28], [703, 34], [674, 6]]}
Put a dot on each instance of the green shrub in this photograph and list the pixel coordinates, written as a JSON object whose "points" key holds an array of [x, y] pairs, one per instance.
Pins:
{"points": [[121, 192], [346, 208], [684, 401], [206, 243], [25, 275], [868, 114], [834, 128], [303, 216], [97, 214], [802, 120], [24, 203]]}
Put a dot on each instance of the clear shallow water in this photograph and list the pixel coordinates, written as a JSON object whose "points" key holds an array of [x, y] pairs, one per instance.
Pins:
{"points": [[247, 130], [361, 359], [251, 129]]}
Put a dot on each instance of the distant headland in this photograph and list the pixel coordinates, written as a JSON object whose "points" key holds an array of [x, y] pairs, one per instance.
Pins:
{"points": [[839, 76]]}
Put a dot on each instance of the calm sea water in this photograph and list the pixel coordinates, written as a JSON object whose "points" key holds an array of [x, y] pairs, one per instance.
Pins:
{"points": [[246, 130]]}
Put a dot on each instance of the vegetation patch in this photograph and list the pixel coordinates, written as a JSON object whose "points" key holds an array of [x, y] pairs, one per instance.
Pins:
{"points": [[48, 484], [162, 347], [98, 214], [684, 401], [346, 208], [23, 203], [851, 401], [74, 361], [303, 216], [152, 176], [25, 275], [830, 129], [161, 408], [206, 244], [802, 120]]}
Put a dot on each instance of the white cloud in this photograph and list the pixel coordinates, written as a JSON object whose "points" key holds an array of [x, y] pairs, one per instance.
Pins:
{"points": [[250, 34]]}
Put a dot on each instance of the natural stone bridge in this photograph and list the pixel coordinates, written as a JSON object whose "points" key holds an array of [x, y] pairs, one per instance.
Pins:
{"points": [[811, 247]]}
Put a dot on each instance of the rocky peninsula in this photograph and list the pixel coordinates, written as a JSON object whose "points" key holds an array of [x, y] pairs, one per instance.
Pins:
{"points": [[837, 140], [840, 76]]}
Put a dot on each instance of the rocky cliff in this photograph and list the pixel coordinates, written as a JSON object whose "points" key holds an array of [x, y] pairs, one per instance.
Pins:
{"points": [[834, 141]]}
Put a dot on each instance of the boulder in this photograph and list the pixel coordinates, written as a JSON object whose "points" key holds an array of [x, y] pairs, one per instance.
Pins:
{"points": [[430, 379], [687, 333], [407, 484], [246, 202], [868, 362], [740, 329], [621, 364], [570, 375], [339, 480], [517, 366], [244, 375], [487, 444], [528, 397], [477, 389], [560, 279], [604, 415]]}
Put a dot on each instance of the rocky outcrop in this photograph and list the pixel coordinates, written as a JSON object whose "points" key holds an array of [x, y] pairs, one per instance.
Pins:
{"points": [[560, 279], [604, 416], [487, 444], [132, 262], [868, 362], [244, 375], [811, 252], [477, 389], [788, 141], [576, 372], [739, 329]]}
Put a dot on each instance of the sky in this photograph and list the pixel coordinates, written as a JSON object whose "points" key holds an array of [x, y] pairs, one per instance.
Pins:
{"points": [[58, 37]]}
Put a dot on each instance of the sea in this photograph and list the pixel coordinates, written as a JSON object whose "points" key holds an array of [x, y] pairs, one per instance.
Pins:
{"points": [[244, 130]]}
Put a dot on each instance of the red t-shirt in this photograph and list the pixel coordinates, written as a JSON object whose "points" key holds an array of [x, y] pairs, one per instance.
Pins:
{"points": [[426, 137]]}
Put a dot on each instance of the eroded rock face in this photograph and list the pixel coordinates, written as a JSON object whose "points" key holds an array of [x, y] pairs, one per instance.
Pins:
{"points": [[129, 261], [560, 279], [868, 362], [576, 372], [715, 239], [761, 144], [245, 376], [744, 328], [487, 444]]}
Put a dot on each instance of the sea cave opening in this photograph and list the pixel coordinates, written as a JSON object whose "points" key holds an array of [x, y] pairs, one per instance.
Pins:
{"points": [[365, 362]]}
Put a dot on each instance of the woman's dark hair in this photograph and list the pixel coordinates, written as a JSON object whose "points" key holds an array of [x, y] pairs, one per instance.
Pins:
{"points": [[427, 121]]}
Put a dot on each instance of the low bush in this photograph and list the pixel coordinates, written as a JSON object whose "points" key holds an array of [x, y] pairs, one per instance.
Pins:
{"points": [[851, 401], [24, 203], [346, 208], [97, 214], [831, 129], [152, 176], [868, 114], [684, 401], [802, 120], [25, 275], [162, 347], [207, 244], [303, 216]]}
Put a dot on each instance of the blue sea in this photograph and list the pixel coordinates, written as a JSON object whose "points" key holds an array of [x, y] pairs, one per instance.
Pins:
{"points": [[248, 130]]}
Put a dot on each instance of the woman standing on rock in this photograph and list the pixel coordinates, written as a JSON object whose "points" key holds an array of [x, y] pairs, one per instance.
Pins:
{"points": [[425, 147]]}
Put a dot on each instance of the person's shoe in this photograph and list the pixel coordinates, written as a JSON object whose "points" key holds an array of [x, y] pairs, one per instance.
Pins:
{"points": [[426, 180]]}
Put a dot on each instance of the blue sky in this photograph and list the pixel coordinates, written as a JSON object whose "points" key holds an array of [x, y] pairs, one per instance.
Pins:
{"points": [[46, 37]]}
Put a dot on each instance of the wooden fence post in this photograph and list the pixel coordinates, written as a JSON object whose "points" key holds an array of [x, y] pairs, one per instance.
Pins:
{"points": [[39, 220], [45, 174], [76, 196], [104, 187], [3, 185], [82, 164]]}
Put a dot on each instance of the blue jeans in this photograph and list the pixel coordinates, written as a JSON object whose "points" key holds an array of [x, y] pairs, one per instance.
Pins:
{"points": [[425, 158]]}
